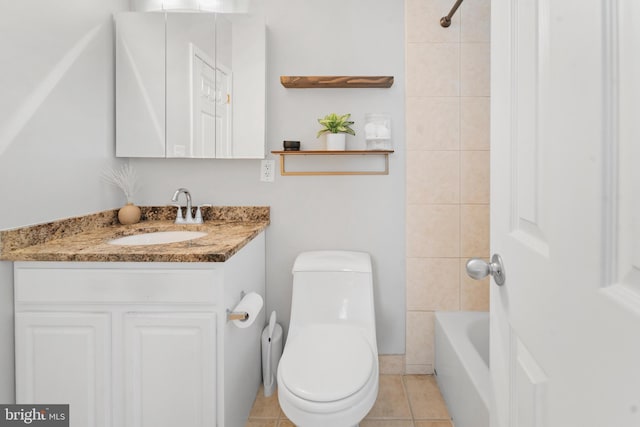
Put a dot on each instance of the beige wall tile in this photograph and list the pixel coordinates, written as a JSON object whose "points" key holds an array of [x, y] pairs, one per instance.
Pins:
{"points": [[391, 364], [433, 284], [433, 177], [420, 331], [433, 123], [474, 294], [433, 69], [474, 177], [474, 69], [423, 22], [433, 231], [474, 230], [392, 400], [474, 123], [448, 109], [475, 21]]}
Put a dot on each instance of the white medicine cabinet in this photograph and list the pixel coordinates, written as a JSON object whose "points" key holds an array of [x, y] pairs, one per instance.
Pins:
{"points": [[190, 85]]}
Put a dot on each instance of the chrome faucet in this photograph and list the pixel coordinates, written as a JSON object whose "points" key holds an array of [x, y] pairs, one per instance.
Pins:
{"points": [[188, 218]]}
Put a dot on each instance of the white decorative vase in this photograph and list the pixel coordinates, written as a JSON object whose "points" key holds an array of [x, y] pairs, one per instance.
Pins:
{"points": [[336, 141]]}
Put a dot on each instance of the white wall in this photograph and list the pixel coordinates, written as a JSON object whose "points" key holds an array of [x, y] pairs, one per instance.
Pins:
{"points": [[318, 37], [56, 124]]}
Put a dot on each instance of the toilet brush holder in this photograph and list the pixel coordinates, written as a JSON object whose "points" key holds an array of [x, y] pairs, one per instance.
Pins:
{"points": [[271, 353]]}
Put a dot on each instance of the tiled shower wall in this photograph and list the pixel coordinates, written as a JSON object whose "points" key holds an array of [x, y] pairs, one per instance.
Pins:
{"points": [[447, 114]]}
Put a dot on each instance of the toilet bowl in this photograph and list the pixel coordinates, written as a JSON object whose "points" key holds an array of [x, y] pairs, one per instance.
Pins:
{"points": [[328, 373]]}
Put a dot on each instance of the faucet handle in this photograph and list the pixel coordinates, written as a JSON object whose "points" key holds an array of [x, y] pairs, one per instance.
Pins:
{"points": [[198, 219], [179, 217]]}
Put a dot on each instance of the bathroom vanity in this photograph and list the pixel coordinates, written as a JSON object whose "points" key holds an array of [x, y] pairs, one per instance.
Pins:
{"points": [[143, 340]]}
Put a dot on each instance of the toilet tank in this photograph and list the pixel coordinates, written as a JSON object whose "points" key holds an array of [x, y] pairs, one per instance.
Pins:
{"points": [[332, 287]]}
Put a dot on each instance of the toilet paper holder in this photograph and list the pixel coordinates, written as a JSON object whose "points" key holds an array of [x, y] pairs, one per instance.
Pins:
{"points": [[238, 315]]}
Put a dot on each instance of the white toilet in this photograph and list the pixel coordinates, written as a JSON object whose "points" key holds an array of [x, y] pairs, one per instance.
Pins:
{"points": [[328, 373]]}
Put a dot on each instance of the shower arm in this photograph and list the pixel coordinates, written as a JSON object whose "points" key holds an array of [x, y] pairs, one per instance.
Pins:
{"points": [[445, 21]]}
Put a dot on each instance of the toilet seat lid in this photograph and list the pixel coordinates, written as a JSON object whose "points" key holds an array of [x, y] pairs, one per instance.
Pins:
{"points": [[325, 363]]}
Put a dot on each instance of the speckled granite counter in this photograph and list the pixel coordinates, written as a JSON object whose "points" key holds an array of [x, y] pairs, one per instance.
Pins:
{"points": [[86, 238]]}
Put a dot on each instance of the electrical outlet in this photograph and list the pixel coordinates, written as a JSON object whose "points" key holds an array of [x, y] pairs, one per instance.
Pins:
{"points": [[267, 170]]}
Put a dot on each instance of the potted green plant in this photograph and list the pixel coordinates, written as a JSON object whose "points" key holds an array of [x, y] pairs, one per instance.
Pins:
{"points": [[336, 127]]}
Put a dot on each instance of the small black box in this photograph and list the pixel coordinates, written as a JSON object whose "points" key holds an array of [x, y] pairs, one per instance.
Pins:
{"points": [[291, 145]]}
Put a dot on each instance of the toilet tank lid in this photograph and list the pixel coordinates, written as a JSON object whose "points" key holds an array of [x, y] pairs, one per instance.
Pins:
{"points": [[333, 261]]}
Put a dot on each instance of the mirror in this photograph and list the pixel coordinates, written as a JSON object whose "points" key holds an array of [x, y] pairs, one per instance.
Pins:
{"points": [[190, 85]]}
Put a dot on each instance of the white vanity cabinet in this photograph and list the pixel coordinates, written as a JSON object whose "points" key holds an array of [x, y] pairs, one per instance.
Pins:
{"points": [[139, 344]]}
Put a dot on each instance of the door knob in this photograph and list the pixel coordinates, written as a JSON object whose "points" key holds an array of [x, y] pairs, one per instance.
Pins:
{"points": [[478, 269]]}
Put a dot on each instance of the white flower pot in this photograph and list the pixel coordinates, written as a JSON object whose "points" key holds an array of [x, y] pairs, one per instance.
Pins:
{"points": [[336, 141]]}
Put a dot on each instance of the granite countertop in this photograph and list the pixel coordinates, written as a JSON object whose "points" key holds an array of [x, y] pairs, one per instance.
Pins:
{"points": [[86, 238]]}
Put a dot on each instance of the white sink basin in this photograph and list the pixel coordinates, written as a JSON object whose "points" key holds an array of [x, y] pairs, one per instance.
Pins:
{"points": [[157, 238]]}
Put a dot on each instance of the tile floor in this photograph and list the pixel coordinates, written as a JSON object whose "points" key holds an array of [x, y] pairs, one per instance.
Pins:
{"points": [[403, 401]]}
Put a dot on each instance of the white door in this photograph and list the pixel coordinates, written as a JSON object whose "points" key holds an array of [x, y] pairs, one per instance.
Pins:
{"points": [[203, 104], [223, 112], [565, 213]]}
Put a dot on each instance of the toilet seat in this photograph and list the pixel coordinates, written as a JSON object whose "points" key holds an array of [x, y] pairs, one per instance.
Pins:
{"points": [[326, 363]]}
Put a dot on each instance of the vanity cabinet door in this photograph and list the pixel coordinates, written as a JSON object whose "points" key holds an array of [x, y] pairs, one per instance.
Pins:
{"points": [[64, 358], [169, 369]]}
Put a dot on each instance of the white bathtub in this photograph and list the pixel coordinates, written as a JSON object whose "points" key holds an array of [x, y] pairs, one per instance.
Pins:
{"points": [[462, 365]]}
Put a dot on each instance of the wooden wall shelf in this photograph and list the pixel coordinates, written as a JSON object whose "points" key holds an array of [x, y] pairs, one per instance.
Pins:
{"points": [[384, 153], [300, 82]]}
